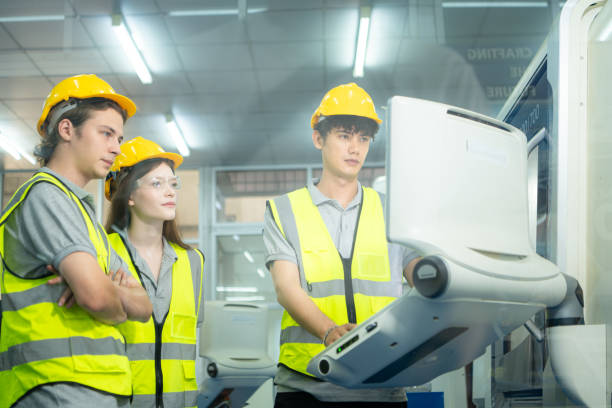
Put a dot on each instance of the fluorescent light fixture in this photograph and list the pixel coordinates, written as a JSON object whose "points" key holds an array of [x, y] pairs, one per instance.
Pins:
{"points": [[27, 19], [240, 289], [177, 135], [494, 4], [261, 273], [362, 41], [244, 298], [218, 205], [236, 237], [248, 256], [130, 49], [9, 148], [213, 12]]}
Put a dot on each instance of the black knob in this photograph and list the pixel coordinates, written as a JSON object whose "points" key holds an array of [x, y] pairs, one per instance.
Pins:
{"points": [[212, 370], [430, 276], [324, 366]]}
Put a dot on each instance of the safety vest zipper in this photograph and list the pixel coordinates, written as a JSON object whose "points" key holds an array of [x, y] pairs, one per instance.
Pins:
{"points": [[159, 377]]}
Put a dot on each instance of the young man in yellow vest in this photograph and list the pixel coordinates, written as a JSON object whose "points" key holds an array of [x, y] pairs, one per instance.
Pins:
{"points": [[330, 261], [52, 355]]}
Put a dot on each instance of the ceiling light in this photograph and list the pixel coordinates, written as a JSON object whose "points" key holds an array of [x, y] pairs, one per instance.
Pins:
{"points": [[177, 135], [362, 41], [248, 256], [130, 49], [236, 237], [494, 4], [261, 273], [26, 19], [241, 289], [213, 12]]}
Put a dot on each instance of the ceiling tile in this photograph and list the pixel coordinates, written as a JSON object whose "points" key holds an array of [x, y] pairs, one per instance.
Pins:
{"points": [[300, 25], [148, 30], [290, 80], [31, 8], [93, 7], [339, 53], [215, 57], [163, 84], [16, 63], [5, 113], [139, 6], [6, 43], [227, 81], [100, 29], [387, 22], [27, 109], [288, 55], [341, 23], [71, 62], [382, 53], [291, 101], [49, 34], [206, 29], [19, 87]]}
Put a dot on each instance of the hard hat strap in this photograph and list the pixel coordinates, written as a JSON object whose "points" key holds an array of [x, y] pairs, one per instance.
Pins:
{"points": [[59, 110]]}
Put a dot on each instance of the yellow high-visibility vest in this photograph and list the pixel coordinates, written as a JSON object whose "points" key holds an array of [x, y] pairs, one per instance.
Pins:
{"points": [[349, 290], [44, 343], [163, 355]]}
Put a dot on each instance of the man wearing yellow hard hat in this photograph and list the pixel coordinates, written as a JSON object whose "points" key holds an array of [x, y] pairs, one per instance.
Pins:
{"points": [[67, 352], [327, 252]]}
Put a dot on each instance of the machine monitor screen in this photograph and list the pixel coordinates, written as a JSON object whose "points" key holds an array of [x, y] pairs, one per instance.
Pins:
{"points": [[531, 113], [444, 169]]}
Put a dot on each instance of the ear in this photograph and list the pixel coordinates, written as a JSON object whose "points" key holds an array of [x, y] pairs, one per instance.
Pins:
{"points": [[66, 130], [317, 140], [130, 202]]}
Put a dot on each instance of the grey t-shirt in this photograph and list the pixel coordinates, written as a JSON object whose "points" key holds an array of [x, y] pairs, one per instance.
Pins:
{"points": [[45, 228], [160, 290], [340, 223]]}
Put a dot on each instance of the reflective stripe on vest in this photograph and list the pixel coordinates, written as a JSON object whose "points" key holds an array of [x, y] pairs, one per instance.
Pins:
{"points": [[349, 290], [44, 343], [167, 360]]}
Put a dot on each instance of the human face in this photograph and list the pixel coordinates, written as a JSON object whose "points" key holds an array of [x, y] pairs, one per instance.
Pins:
{"points": [[97, 143], [343, 152], [154, 198]]}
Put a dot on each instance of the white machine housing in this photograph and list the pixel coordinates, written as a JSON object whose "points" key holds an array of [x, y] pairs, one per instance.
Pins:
{"points": [[235, 341], [456, 192]]}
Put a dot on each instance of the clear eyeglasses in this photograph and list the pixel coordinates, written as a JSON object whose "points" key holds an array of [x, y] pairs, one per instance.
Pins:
{"points": [[159, 183]]}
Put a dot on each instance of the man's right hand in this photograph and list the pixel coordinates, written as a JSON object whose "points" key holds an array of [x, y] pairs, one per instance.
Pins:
{"points": [[338, 332]]}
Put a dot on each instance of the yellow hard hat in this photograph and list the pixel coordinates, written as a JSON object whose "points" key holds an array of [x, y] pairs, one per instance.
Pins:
{"points": [[346, 99], [82, 87], [134, 151]]}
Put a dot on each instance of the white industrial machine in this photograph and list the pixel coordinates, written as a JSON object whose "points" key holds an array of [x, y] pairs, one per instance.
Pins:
{"points": [[236, 343], [457, 192]]}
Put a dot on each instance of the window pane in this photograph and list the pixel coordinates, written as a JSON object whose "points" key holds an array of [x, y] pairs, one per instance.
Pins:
{"points": [[241, 195], [11, 182], [187, 208], [241, 272], [367, 175]]}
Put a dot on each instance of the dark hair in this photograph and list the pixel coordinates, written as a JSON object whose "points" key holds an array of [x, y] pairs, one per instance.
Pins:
{"points": [[77, 117], [119, 214], [350, 123]]}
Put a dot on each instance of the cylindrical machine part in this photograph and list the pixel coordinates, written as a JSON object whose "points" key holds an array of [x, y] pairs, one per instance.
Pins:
{"points": [[430, 276]]}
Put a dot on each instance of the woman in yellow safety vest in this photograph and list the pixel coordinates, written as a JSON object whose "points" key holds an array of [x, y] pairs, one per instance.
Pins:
{"points": [[142, 187]]}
